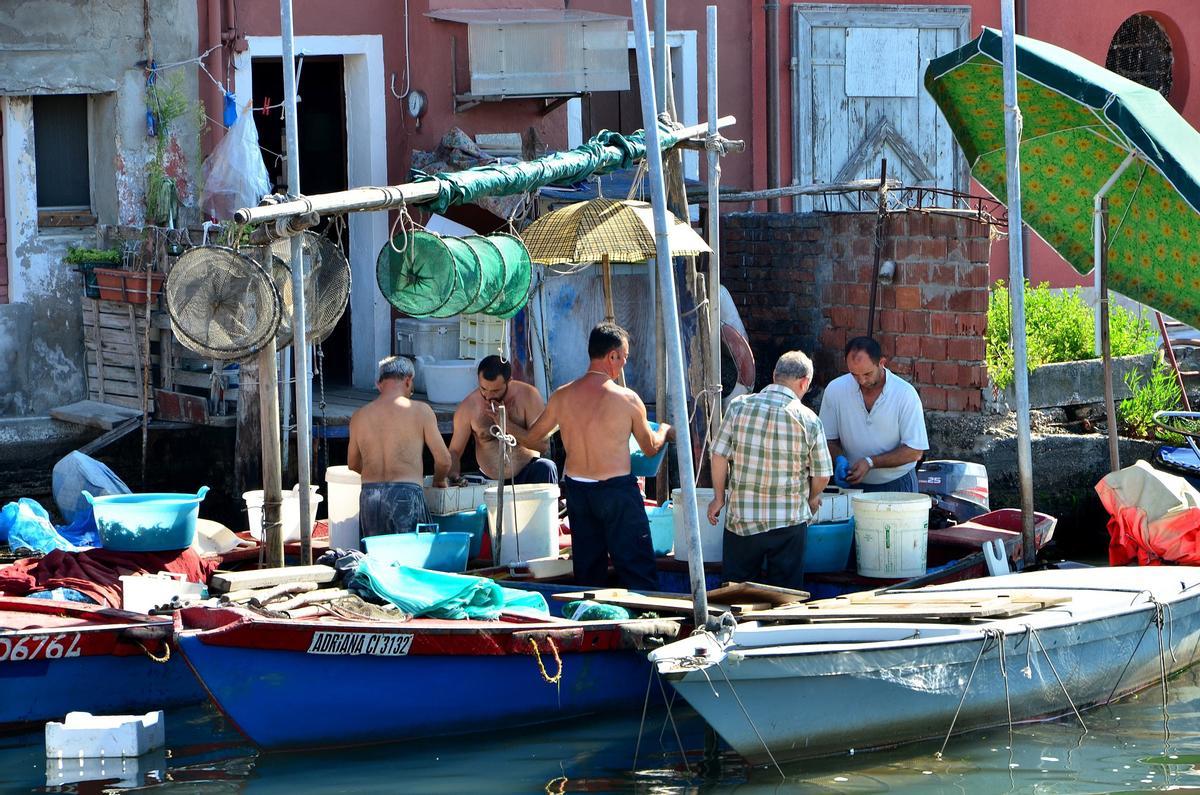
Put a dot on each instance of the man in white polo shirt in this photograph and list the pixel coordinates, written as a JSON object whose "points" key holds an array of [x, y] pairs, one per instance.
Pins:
{"points": [[874, 419]]}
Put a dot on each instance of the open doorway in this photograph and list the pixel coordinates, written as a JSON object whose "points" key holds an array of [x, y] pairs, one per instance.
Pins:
{"points": [[321, 117]]}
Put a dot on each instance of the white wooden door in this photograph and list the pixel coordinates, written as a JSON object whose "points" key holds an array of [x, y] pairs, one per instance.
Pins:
{"points": [[858, 97]]}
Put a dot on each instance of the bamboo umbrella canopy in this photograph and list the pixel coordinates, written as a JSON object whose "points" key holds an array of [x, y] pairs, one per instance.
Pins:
{"points": [[621, 231]]}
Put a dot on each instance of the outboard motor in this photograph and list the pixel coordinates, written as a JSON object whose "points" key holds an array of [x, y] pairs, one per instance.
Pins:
{"points": [[959, 490]]}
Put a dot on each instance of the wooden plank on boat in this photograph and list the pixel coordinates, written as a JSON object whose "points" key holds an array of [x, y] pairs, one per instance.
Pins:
{"points": [[119, 432], [224, 581], [945, 597], [742, 592], [982, 606], [659, 603], [93, 414]]}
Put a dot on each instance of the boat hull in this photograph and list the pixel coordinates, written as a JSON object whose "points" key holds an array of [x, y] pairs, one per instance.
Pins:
{"points": [[802, 702], [288, 686]]}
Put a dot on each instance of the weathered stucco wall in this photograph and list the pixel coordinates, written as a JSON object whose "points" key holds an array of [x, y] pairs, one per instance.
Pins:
{"points": [[77, 47]]}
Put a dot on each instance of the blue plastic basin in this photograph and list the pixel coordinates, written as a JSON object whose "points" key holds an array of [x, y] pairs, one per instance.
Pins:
{"points": [[472, 522], [641, 465], [156, 522], [662, 528], [436, 551], [828, 547]]}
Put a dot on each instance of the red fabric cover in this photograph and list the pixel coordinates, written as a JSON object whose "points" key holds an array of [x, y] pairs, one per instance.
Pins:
{"points": [[97, 572], [1154, 517]]}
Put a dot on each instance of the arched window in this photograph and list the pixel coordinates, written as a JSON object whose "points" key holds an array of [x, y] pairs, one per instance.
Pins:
{"points": [[1141, 51]]}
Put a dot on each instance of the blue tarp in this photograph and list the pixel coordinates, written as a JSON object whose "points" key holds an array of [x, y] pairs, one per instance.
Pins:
{"points": [[435, 594]]}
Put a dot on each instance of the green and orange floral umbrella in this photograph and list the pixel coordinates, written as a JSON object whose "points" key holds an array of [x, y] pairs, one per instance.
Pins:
{"points": [[1081, 123]]}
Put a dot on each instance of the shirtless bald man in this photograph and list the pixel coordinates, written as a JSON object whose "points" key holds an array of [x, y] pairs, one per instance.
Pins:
{"points": [[596, 417], [476, 415], [387, 439]]}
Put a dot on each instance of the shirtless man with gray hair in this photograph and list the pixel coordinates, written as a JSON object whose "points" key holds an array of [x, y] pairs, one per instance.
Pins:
{"points": [[388, 437], [596, 417]]}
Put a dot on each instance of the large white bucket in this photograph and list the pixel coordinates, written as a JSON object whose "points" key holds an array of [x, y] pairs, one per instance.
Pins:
{"points": [[530, 521], [289, 512], [343, 485], [891, 533], [711, 536]]}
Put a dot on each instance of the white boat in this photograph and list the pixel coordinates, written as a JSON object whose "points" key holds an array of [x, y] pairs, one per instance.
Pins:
{"points": [[784, 691]]}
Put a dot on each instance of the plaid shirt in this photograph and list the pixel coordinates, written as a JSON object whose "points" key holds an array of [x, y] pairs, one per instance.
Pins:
{"points": [[774, 444]]}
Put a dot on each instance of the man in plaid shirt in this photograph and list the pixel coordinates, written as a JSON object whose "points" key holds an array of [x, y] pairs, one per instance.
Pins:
{"points": [[772, 451]]}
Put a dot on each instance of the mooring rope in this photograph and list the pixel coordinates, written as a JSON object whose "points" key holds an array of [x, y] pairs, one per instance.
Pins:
{"points": [[553, 680], [1046, 654], [750, 720], [166, 657], [674, 728], [983, 647], [642, 726]]}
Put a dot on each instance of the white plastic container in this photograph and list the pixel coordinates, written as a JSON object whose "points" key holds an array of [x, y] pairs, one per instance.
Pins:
{"points": [[530, 521], [118, 772], [455, 499], [83, 735], [891, 533], [835, 505], [451, 380], [343, 486], [711, 536], [418, 336], [289, 512], [141, 593]]}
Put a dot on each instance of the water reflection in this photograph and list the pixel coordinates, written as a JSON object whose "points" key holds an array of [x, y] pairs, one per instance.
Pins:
{"points": [[1123, 750]]}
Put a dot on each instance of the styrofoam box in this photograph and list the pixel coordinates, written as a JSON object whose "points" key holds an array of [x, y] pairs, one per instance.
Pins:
{"points": [[141, 593], [455, 498], [836, 505], [82, 734]]}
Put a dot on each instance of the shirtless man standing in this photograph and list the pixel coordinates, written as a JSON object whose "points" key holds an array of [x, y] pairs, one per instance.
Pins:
{"points": [[476, 415], [387, 439], [596, 417]]}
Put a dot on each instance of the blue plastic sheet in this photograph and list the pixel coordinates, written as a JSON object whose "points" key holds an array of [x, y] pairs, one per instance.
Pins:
{"points": [[26, 525], [435, 594], [73, 474]]}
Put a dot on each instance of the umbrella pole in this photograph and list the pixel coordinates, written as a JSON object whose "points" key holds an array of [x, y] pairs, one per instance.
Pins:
{"points": [[610, 315], [683, 439], [714, 237], [1016, 285], [1110, 406]]}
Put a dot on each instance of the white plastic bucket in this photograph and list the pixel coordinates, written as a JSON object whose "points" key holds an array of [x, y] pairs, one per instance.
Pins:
{"points": [[450, 380], [343, 486], [891, 533], [289, 512], [711, 536], [530, 521]]}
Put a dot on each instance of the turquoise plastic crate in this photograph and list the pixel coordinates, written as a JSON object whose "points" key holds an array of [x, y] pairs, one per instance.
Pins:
{"points": [[828, 547], [423, 550], [641, 465], [472, 522]]}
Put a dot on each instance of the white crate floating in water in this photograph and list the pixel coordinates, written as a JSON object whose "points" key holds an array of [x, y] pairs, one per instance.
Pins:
{"points": [[123, 772], [84, 735]]}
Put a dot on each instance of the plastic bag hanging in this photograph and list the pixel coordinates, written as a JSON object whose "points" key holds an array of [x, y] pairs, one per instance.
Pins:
{"points": [[234, 174]]}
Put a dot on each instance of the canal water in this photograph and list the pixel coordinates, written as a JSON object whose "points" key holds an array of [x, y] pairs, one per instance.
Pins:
{"points": [[1124, 750]]}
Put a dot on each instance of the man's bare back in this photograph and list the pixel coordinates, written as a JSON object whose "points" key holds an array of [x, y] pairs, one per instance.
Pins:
{"points": [[388, 437]]}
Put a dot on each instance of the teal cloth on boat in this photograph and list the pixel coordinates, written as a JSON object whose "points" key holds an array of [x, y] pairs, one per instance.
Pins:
{"points": [[586, 610], [436, 594], [604, 152]]}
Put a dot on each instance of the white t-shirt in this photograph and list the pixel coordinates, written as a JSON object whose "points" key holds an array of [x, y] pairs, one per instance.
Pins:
{"points": [[896, 418]]}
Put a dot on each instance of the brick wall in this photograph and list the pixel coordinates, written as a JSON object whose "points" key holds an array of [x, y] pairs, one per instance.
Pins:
{"points": [[803, 281]]}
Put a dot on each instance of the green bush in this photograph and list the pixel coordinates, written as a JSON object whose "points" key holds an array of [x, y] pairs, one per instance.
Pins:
{"points": [[1059, 327], [92, 256], [1158, 393]]}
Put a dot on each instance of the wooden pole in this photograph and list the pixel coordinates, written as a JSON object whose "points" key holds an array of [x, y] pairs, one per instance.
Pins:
{"points": [[880, 230], [714, 237], [1110, 406], [610, 315]]}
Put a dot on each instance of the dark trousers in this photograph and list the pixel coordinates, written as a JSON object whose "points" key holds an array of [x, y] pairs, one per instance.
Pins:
{"points": [[539, 470], [608, 518], [906, 482], [774, 557]]}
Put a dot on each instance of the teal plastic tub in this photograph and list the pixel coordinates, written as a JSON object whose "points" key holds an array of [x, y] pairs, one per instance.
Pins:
{"points": [[641, 465], [155, 522], [662, 528], [423, 550], [472, 522], [828, 547]]}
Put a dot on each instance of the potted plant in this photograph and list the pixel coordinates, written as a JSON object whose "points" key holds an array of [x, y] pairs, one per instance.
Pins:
{"points": [[87, 260]]}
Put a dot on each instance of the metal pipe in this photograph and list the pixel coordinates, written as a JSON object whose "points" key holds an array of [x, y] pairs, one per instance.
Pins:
{"points": [[880, 228], [1097, 253], [1016, 286], [772, 9], [388, 197], [1110, 405], [677, 390], [216, 58], [714, 234], [299, 312], [662, 55]]}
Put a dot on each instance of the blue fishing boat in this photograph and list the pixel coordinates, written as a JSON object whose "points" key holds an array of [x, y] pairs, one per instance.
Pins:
{"points": [[60, 657], [328, 682]]}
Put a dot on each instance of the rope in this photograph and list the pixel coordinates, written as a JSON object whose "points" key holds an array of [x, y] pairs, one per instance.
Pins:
{"points": [[1046, 654], [983, 647], [1004, 675], [674, 728], [406, 223], [161, 660], [642, 725], [750, 720], [537, 655]]}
